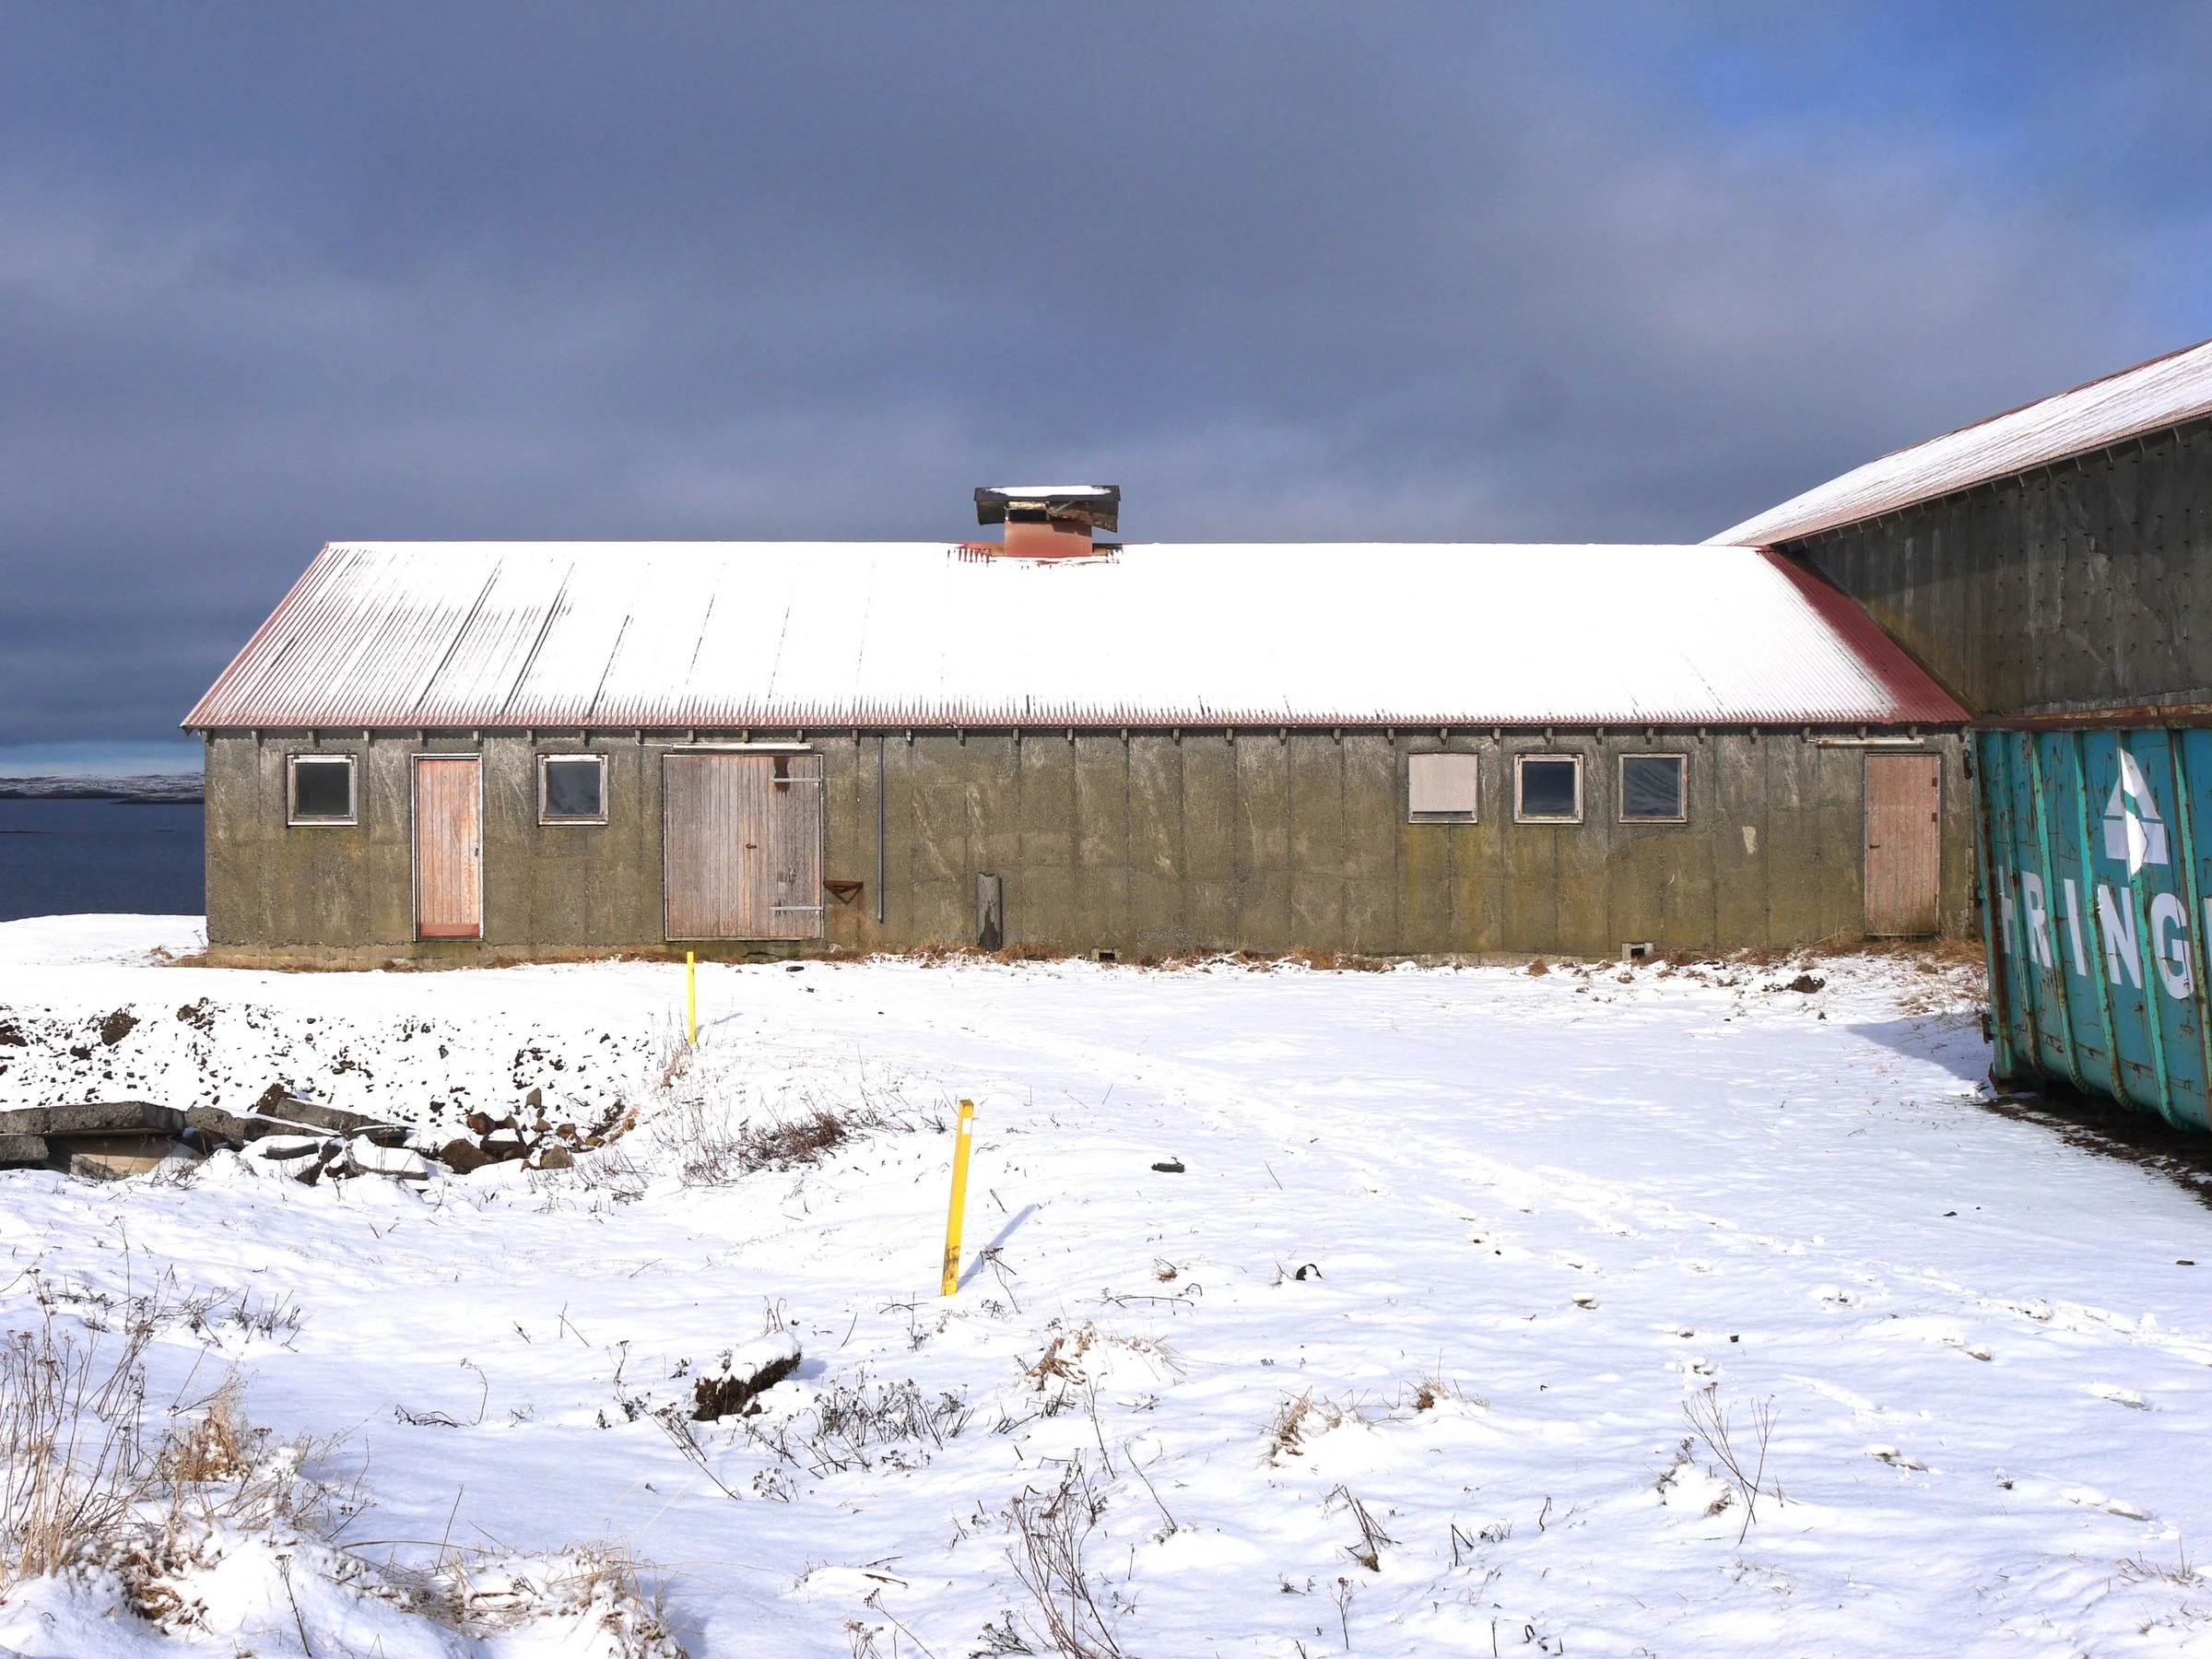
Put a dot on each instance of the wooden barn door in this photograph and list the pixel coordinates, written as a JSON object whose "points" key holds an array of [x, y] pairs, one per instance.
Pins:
{"points": [[449, 847], [1904, 845], [743, 840]]}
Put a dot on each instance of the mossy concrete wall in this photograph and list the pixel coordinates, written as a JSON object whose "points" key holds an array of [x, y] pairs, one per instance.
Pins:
{"points": [[1144, 845]]}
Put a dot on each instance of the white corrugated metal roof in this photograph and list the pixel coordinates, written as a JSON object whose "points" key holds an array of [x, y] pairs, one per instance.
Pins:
{"points": [[2147, 399], [742, 634]]}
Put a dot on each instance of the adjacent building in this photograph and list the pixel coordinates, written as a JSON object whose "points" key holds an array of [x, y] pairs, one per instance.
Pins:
{"points": [[455, 753], [2051, 567]]}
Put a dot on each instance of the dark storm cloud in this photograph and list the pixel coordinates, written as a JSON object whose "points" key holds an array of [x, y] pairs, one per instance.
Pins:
{"points": [[270, 275]]}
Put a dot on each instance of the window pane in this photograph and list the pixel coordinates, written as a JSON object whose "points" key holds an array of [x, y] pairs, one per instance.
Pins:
{"points": [[572, 788], [321, 788], [1548, 788], [1651, 786], [1441, 785]]}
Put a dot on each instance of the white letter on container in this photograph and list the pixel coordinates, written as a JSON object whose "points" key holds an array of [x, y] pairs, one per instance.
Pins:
{"points": [[2117, 923], [2039, 917], [2172, 954]]}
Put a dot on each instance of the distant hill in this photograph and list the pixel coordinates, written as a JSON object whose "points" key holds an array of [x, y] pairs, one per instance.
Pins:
{"points": [[178, 789]]}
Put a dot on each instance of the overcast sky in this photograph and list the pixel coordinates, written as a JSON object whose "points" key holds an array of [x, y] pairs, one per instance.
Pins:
{"points": [[273, 276]]}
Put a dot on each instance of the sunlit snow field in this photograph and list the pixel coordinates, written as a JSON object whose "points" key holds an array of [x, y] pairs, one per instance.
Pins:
{"points": [[1561, 1209]]}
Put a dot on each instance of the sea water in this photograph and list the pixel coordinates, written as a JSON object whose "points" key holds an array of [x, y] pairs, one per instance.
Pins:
{"points": [[65, 857]]}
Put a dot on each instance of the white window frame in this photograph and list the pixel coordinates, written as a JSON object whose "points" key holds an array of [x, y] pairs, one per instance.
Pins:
{"points": [[1621, 778], [291, 791], [1473, 814], [1579, 770], [565, 822]]}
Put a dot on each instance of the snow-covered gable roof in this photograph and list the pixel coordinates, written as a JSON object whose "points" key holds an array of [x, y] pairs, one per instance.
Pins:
{"points": [[2150, 397], [824, 634]]}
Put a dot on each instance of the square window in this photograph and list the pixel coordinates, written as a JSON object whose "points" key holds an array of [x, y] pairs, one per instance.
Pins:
{"points": [[1439, 789], [572, 789], [1652, 789], [1547, 789], [318, 789]]}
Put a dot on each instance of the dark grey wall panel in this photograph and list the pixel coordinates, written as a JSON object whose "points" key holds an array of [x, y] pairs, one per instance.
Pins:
{"points": [[2081, 586]]}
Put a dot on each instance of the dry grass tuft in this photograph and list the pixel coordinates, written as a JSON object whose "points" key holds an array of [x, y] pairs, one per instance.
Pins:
{"points": [[1432, 1389], [599, 1586], [221, 1446], [73, 1461], [1302, 1419]]}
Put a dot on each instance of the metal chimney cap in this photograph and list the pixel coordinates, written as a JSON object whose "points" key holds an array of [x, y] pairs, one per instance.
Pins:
{"points": [[1097, 505]]}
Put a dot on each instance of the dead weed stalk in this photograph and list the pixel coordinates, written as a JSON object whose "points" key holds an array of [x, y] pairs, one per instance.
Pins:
{"points": [[1052, 1530], [1710, 1422]]}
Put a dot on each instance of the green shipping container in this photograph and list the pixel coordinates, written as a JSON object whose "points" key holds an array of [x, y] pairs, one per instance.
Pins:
{"points": [[2093, 891]]}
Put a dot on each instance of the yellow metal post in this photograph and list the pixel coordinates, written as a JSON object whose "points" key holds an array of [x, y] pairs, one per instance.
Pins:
{"points": [[690, 999], [959, 1197]]}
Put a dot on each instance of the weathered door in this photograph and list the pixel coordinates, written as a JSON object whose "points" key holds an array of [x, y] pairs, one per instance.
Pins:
{"points": [[1904, 845], [743, 843], [449, 847]]}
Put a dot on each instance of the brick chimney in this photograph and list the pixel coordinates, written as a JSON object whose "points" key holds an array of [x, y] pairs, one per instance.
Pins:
{"points": [[1049, 521]]}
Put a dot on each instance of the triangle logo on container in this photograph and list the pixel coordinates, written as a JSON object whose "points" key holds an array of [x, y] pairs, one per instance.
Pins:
{"points": [[2133, 830]]}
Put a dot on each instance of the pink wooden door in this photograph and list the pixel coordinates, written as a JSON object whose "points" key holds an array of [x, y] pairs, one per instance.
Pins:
{"points": [[1904, 845], [449, 847]]}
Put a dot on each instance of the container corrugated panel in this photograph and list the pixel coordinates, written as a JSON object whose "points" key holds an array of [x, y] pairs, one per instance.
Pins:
{"points": [[2150, 397], [821, 634], [2093, 892]]}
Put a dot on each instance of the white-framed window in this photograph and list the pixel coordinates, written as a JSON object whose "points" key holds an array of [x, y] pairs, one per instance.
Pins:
{"points": [[1655, 789], [1547, 789], [318, 789], [1440, 788], [572, 789]]}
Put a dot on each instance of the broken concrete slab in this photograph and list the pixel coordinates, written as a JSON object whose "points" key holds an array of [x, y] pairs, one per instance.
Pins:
{"points": [[23, 1152], [113, 1156], [94, 1117], [276, 1104], [364, 1156], [214, 1120]]}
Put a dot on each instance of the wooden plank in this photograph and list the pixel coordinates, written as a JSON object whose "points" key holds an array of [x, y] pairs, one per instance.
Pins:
{"points": [[690, 876], [790, 876], [1904, 845], [449, 847]]}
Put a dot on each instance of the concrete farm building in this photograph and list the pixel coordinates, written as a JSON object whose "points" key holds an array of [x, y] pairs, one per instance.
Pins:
{"points": [[2053, 565], [453, 753]]}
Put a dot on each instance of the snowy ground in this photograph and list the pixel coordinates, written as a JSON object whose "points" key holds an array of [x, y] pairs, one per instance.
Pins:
{"points": [[1565, 1206]]}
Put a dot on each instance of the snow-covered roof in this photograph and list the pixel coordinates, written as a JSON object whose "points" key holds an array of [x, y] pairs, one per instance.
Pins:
{"points": [[2147, 399], [823, 634]]}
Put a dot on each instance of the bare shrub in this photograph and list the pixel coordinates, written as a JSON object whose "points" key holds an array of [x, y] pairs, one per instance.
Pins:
{"points": [[714, 1140], [861, 1424], [1710, 1422], [1052, 1530], [73, 1464]]}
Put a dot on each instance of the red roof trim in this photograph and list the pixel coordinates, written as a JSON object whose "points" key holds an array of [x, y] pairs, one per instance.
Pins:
{"points": [[1920, 696]]}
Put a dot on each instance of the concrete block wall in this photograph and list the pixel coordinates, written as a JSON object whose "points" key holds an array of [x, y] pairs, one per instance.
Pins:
{"points": [[2078, 586], [1143, 845]]}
